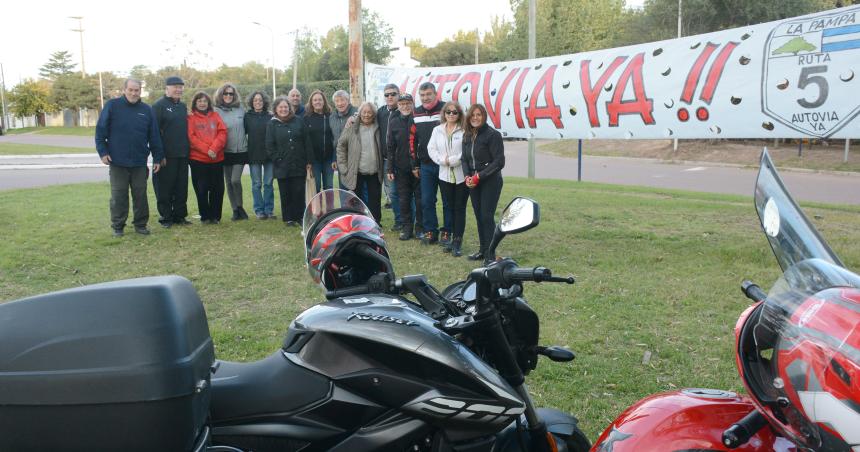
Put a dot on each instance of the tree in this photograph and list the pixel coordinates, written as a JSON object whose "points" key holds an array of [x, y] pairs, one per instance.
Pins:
{"points": [[416, 48], [31, 97], [377, 37], [73, 92], [58, 65], [455, 51], [493, 47]]}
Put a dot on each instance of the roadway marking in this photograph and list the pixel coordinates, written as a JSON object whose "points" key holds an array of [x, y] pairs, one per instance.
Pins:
{"points": [[696, 168]]}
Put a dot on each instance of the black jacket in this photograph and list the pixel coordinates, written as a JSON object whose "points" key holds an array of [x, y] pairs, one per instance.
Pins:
{"points": [[289, 147], [172, 120], [425, 122], [384, 116], [483, 154], [321, 138], [255, 126], [401, 144]]}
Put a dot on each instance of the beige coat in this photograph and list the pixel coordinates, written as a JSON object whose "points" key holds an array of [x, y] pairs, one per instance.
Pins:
{"points": [[349, 153]]}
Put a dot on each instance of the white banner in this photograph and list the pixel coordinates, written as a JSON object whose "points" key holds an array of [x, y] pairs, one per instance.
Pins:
{"points": [[787, 79]]}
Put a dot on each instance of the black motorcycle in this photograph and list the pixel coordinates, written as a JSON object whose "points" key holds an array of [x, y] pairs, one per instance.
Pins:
{"points": [[386, 364]]}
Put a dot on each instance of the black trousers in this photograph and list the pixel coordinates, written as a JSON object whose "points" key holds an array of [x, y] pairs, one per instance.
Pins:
{"points": [[454, 199], [208, 181], [171, 190], [123, 179], [292, 191], [374, 193], [408, 188], [485, 199]]}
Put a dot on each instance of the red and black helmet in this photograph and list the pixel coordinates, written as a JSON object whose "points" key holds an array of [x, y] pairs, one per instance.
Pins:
{"points": [[799, 356], [335, 223]]}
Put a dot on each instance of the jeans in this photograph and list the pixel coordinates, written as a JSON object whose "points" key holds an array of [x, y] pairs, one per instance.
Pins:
{"points": [[323, 174], [429, 176], [121, 180], [261, 178], [391, 189]]}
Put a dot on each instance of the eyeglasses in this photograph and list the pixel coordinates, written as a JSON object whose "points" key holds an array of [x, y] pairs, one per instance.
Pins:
{"points": [[390, 94], [228, 94], [452, 112]]}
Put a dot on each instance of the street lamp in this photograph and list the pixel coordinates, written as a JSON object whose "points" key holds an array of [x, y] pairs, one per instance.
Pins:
{"points": [[274, 90]]}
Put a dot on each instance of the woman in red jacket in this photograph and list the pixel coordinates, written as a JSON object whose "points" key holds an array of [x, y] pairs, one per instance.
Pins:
{"points": [[208, 135]]}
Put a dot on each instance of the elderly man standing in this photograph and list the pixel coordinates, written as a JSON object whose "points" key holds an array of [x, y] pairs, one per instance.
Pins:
{"points": [[295, 99], [343, 111], [126, 134], [171, 183]]}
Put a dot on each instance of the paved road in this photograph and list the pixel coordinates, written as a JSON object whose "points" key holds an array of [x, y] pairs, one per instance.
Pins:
{"points": [[805, 186], [51, 140]]}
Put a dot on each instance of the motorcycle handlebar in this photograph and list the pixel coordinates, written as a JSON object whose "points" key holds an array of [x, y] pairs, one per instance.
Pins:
{"points": [[346, 292], [752, 291], [515, 274]]}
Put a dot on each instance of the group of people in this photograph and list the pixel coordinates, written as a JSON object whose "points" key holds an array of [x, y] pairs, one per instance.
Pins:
{"points": [[400, 152]]}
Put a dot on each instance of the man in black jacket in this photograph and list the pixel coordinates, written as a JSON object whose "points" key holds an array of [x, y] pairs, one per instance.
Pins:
{"points": [[427, 117], [403, 167], [171, 183], [384, 116]]}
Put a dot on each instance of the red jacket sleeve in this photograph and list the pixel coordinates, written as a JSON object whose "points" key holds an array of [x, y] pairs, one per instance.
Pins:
{"points": [[220, 135]]}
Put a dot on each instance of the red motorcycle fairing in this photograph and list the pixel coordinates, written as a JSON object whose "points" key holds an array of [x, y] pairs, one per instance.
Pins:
{"points": [[685, 421]]}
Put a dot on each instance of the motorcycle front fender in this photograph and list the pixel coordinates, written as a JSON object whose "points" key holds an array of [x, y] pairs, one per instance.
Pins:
{"points": [[562, 425], [690, 419]]}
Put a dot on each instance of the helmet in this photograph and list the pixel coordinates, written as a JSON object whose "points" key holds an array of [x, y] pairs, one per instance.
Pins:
{"points": [[335, 224], [799, 356]]}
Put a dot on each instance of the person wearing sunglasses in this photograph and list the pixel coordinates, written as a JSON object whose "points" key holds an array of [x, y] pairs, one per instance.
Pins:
{"points": [[384, 116], [446, 148], [229, 107]]}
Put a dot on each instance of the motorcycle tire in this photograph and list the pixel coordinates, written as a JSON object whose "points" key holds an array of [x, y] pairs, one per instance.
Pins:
{"points": [[576, 442]]}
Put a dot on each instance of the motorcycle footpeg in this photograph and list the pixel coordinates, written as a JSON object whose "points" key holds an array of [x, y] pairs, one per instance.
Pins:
{"points": [[557, 353]]}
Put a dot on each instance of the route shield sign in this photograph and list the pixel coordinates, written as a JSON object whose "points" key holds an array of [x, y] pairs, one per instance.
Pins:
{"points": [[809, 82]]}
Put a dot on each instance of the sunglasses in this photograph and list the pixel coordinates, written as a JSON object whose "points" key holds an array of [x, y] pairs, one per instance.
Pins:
{"points": [[390, 94], [228, 94], [452, 112]]}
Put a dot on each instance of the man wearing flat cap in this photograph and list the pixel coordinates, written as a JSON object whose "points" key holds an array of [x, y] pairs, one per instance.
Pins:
{"points": [[171, 183]]}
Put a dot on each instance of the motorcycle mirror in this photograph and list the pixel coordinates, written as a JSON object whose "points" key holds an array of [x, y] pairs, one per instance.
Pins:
{"points": [[520, 215]]}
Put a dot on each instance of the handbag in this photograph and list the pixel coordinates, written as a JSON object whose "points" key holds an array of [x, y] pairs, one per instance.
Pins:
{"points": [[310, 187]]}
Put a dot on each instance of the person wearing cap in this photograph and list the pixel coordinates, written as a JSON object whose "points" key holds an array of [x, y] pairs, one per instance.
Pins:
{"points": [[403, 169], [126, 134], [171, 183]]}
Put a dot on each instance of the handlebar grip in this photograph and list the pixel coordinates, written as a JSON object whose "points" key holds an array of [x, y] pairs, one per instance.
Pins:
{"points": [[752, 291], [527, 274], [741, 431], [346, 292]]}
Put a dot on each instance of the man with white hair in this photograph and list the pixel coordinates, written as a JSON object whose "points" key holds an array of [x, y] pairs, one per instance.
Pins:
{"points": [[295, 99], [343, 110]]}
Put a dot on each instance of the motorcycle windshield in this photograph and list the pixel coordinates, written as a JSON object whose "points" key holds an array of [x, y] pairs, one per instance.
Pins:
{"points": [[324, 206], [791, 236]]}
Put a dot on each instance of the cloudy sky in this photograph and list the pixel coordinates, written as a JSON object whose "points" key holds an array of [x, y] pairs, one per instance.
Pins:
{"points": [[119, 35]]}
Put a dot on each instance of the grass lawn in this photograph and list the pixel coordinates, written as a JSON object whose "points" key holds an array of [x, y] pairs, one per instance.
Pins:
{"points": [[657, 271], [35, 149], [76, 131]]}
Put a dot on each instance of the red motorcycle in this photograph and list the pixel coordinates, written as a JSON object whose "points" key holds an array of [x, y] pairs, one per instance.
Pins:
{"points": [[797, 352]]}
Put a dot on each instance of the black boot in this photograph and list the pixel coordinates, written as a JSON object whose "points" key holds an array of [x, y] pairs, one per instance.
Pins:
{"points": [[242, 214], [477, 256], [235, 215], [456, 245]]}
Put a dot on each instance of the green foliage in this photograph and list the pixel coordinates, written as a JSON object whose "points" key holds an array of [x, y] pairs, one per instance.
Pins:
{"points": [[31, 97], [455, 51], [58, 65], [73, 92]]}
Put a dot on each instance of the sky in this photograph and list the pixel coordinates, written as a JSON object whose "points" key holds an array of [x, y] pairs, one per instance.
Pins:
{"points": [[120, 35]]}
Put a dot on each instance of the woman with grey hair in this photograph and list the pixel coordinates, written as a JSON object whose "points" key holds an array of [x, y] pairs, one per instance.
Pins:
{"points": [[343, 110], [359, 159], [229, 107]]}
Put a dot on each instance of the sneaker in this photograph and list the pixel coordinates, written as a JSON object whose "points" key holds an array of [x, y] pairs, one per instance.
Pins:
{"points": [[272, 216], [456, 244], [444, 239], [118, 233], [262, 216], [166, 224], [142, 230], [292, 224], [430, 238]]}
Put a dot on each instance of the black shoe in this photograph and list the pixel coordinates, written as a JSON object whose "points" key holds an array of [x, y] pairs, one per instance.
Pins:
{"points": [[475, 256], [489, 260], [236, 216], [166, 224], [397, 227], [118, 233], [456, 244], [181, 222], [405, 235], [292, 223], [242, 214], [142, 230], [261, 216]]}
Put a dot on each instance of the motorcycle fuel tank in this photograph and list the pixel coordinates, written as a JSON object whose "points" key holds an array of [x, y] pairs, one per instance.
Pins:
{"points": [[388, 350], [686, 420]]}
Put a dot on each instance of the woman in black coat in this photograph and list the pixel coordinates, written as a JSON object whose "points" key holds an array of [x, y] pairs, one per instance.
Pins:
{"points": [[289, 147], [483, 160]]}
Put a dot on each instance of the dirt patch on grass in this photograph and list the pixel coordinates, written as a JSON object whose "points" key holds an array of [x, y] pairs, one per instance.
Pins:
{"points": [[815, 156]]}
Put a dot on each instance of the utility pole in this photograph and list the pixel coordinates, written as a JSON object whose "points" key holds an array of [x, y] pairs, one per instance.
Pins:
{"points": [[295, 58], [5, 123], [356, 54], [80, 31], [101, 92], [675, 141], [274, 89], [532, 53]]}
